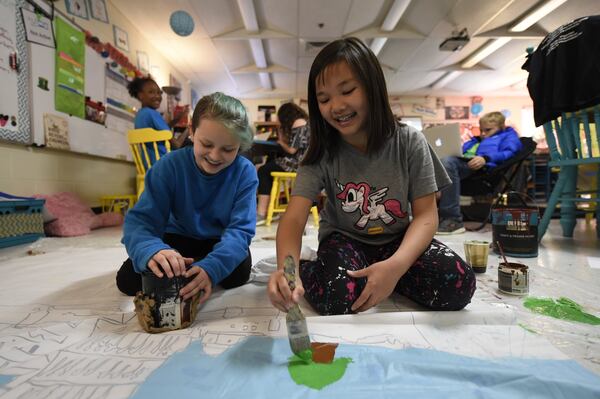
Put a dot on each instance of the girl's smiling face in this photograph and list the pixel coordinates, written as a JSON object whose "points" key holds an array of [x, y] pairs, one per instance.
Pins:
{"points": [[343, 103], [150, 95], [215, 147]]}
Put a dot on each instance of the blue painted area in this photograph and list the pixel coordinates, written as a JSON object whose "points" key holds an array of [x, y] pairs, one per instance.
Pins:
{"points": [[5, 379], [257, 368]]}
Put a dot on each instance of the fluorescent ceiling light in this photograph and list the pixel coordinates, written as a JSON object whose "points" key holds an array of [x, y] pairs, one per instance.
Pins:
{"points": [[258, 52], [256, 46], [389, 23], [484, 51], [394, 15], [446, 79], [248, 15], [536, 15], [377, 44]]}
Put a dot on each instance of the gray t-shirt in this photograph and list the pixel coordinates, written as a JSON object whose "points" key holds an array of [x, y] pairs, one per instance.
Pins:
{"points": [[368, 196]]}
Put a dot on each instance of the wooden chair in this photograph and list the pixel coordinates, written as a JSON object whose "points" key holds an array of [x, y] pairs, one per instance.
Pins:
{"points": [[282, 183], [572, 140], [144, 147]]}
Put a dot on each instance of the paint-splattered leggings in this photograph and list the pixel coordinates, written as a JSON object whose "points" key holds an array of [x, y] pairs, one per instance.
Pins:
{"points": [[439, 279]]}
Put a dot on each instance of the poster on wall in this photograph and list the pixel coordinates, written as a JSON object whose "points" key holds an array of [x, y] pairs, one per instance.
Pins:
{"points": [[120, 106], [70, 69], [456, 112], [143, 62], [38, 28], [121, 38], [98, 10], [56, 132], [77, 8]]}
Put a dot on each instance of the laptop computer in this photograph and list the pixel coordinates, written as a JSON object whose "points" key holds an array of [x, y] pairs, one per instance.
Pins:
{"points": [[445, 140]]}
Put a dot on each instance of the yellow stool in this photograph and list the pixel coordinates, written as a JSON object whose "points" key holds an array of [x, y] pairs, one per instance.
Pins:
{"points": [[117, 203], [283, 181]]}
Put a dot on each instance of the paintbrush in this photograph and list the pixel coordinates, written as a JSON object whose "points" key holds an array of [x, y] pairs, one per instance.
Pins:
{"points": [[295, 320]]}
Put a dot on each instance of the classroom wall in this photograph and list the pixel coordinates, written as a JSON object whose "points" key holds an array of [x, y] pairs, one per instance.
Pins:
{"points": [[30, 170], [405, 106]]}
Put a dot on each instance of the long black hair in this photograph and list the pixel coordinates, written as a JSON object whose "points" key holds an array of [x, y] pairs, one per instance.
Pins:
{"points": [[366, 69], [287, 114]]}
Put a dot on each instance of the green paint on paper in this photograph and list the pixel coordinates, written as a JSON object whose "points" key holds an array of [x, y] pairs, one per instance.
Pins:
{"points": [[562, 308], [317, 375], [306, 356]]}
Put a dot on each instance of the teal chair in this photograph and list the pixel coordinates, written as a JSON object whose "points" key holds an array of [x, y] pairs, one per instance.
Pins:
{"points": [[572, 141]]}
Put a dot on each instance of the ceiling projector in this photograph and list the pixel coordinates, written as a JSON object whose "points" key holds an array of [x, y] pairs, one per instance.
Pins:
{"points": [[457, 41]]}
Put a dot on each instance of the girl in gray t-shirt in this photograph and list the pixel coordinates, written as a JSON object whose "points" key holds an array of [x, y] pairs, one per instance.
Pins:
{"points": [[374, 170]]}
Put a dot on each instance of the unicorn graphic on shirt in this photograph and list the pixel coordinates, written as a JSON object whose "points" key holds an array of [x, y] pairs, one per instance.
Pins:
{"points": [[359, 197]]}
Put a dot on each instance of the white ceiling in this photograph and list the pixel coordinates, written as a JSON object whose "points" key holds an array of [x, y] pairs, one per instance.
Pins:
{"points": [[218, 56]]}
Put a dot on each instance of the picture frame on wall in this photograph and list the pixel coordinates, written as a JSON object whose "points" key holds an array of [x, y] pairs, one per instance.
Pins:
{"points": [[38, 28], [98, 10], [77, 8], [456, 112], [121, 38], [143, 62]]}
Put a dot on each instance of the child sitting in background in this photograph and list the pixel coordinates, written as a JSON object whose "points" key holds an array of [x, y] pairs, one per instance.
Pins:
{"points": [[150, 95], [373, 169], [293, 135], [197, 214]]}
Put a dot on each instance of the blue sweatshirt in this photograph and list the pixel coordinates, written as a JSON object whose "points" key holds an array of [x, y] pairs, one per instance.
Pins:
{"points": [[501, 146], [179, 198]]}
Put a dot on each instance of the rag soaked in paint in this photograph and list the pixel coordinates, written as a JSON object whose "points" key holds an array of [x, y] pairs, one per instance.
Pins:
{"points": [[562, 308], [317, 375]]}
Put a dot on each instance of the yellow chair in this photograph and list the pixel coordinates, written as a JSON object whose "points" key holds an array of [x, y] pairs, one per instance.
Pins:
{"points": [[283, 181], [117, 203], [138, 140]]}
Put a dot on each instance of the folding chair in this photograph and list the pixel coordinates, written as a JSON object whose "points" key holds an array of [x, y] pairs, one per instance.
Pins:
{"points": [[573, 139], [144, 147], [499, 180]]}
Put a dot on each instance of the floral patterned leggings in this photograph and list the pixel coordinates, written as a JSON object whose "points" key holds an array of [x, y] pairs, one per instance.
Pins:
{"points": [[439, 279]]}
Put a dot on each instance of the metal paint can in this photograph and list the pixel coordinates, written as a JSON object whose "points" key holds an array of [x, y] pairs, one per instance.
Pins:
{"points": [[513, 278], [170, 311]]}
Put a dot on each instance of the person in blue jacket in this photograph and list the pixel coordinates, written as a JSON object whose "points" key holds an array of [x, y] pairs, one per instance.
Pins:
{"points": [[496, 144], [197, 214]]}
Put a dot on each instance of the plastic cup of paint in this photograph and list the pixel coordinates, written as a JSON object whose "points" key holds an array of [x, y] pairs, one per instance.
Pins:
{"points": [[476, 254]]}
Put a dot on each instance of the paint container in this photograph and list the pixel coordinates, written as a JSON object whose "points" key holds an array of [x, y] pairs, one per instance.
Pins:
{"points": [[169, 312], [513, 278], [476, 254], [515, 225]]}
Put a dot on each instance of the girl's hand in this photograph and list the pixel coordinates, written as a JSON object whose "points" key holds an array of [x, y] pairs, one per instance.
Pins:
{"points": [[476, 163], [279, 291], [169, 261], [381, 280], [201, 282]]}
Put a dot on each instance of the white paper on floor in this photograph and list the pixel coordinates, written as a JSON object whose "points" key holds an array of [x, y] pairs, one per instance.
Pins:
{"points": [[67, 332]]}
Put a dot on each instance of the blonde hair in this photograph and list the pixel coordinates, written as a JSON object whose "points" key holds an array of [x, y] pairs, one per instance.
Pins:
{"points": [[228, 111], [495, 118]]}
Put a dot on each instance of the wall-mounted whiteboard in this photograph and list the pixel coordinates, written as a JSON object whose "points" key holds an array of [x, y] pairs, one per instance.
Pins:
{"points": [[14, 116]]}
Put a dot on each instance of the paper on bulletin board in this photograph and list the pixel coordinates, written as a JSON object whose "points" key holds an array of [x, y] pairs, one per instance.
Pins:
{"points": [[56, 132], [70, 69], [8, 75]]}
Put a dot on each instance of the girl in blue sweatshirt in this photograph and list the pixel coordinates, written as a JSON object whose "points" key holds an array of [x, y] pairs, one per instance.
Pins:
{"points": [[197, 214]]}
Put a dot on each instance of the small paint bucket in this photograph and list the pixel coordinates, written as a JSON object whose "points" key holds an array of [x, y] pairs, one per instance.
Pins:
{"points": [[170, 311], [513, 278]]}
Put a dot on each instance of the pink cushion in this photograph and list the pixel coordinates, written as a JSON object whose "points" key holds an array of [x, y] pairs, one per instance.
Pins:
{"points": [[74, 217]]}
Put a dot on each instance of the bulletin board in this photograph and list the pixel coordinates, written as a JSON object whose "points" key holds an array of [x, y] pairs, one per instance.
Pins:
{"points": [[24, 97], [84, 136], [14, 101]]}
